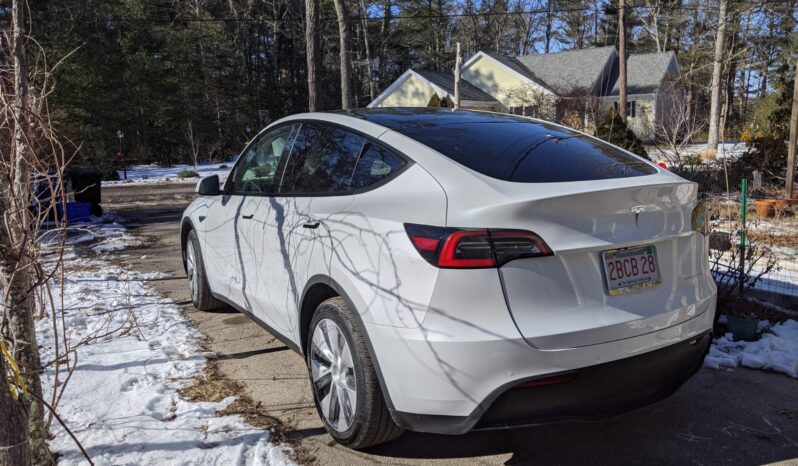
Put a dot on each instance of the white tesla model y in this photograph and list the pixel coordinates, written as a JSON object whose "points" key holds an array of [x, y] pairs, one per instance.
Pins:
{"points": [[443, 271]]}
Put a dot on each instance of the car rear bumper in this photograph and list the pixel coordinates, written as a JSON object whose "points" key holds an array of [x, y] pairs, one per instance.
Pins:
{"points": [[468, 352], [594, 393]]}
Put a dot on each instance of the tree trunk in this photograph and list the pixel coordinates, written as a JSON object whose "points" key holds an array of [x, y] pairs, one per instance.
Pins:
{"points": [[788, 187], [346, 59], [14, 450], [714, 105], [312, 46], [369, 71], [622, 61], [17, 244]]}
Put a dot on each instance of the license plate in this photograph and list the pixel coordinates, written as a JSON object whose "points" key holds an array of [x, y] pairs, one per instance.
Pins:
{"points": [[631, 269]]}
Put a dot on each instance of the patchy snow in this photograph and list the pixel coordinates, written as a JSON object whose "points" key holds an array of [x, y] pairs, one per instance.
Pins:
{"points": [[106, 233], [777, 350], [727, 149], [134, 350], [153, 173]]}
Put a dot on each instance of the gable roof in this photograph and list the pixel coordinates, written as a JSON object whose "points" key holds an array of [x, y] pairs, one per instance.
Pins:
{"points": [[445, 81], [572, 71], [645, 72], [518, 67]]}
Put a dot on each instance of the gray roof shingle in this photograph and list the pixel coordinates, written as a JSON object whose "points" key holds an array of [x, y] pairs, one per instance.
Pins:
{"points": [[573, 71], [644, 72], [446, 82]]}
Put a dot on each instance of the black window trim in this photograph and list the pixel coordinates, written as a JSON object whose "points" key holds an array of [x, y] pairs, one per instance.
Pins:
{"points": [[369, 140]]}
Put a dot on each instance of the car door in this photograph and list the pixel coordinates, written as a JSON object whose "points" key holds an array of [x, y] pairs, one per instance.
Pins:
{"points": [[232, 225], [313, 197]]}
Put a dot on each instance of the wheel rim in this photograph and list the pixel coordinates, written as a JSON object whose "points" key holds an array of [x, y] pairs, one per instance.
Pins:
{"points": [[333, 375], [191, 270]]}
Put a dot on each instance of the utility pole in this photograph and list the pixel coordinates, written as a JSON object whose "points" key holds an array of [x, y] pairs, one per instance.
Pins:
{"points": [[793, 136], [622, 63], [458, 67]]}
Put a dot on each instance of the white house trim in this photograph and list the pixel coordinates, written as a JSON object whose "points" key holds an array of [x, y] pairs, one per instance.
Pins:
{"points": [[520, 76], [404, 77]]}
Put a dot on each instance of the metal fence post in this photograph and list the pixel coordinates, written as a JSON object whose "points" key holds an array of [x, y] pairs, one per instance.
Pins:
{"points": [[743, 209]]}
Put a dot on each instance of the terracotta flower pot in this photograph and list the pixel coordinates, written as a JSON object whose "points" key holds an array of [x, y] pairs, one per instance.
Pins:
{"points": [[782, 204], [765, 207]]}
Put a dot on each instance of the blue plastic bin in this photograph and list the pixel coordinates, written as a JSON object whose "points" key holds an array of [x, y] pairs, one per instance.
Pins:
{"points": [[75, 212]]}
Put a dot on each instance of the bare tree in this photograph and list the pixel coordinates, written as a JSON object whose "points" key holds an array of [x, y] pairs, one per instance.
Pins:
{"points": [[17, 250], [312, 46], [714, 106], [346, 60], [366, 44], [532, 101], [677, 125]]}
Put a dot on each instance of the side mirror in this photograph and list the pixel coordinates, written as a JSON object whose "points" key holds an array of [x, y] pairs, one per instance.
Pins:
{"points": [[209, 186]]}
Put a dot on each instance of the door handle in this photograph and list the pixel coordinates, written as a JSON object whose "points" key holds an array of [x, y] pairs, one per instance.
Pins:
{"points": [[312, 226], [248, 217]]}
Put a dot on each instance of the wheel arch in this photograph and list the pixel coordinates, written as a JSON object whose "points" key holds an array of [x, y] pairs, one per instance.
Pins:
{"points": [[185, 227], [318, 289]]}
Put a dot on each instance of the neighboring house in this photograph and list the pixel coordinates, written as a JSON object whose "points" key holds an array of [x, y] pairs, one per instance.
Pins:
{"points": [[573, 87]]}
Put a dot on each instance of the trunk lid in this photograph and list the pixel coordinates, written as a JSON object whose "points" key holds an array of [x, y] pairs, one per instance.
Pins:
{"points": [[563, 301]]}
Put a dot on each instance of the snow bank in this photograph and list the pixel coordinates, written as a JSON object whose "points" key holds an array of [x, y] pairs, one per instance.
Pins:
{"points": [[153, 173], [777, 350], [134, 351]]}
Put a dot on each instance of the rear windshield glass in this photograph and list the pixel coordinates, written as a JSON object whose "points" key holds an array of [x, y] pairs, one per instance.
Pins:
{"points": [[515, 149]]}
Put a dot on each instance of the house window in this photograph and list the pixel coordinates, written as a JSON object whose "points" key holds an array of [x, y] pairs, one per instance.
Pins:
{"points": [[631, 108]]}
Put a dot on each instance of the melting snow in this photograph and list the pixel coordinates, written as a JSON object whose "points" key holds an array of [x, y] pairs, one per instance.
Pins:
{"points": [[777, 350], [134, 351]]}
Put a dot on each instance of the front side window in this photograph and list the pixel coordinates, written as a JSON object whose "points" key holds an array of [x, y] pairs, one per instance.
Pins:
{"points": [[258, 171], [322, 161]]}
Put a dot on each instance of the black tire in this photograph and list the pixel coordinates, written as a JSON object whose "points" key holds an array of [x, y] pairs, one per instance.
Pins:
{"points": [[202, 298], [372, 423]]}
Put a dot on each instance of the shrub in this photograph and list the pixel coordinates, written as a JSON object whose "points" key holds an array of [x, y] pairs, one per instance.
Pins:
{"points": [[612, 129], [185, 174]]}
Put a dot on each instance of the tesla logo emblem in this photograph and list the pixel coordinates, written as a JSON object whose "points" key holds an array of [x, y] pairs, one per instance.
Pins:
{"points": [[637, 210]]}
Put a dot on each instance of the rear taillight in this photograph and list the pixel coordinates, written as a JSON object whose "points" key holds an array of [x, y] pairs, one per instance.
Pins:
{"points": [[474, 248]]}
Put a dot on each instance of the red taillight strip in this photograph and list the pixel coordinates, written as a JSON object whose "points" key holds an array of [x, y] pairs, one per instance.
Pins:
{"points": [[447, 256]]}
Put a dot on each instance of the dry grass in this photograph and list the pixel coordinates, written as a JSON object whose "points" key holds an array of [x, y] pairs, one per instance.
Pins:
{"points": [[707, 155], [214, 386]]}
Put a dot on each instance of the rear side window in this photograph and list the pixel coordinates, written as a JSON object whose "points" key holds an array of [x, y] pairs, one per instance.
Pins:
{"points": [[322, 160], [514, 149], [376, 164]]}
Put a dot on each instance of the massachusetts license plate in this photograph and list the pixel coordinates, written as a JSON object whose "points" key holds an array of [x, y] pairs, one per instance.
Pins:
{"points": [[631, 269]]}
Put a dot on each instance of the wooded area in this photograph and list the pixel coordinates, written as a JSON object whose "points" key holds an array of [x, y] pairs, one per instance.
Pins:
{"points": [[185, 80]]}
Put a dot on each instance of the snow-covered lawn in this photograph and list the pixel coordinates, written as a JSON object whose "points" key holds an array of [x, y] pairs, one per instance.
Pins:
{"points": [[134, 350], [777, 350], [727, 149], [153, 173]]}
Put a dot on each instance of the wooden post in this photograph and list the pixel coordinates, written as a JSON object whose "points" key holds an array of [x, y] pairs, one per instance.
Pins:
{"points": [[622, 62], [788, 188], [458, 65]]}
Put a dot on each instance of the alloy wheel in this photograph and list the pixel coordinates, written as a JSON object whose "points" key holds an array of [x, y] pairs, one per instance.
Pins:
{"points": [[333, 375]]}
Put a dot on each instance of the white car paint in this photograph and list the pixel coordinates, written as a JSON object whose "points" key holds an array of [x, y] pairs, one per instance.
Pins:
{"points": [[445, 339]]}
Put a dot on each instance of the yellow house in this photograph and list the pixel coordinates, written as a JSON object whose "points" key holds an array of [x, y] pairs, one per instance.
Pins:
{"points": [[573, 87]]}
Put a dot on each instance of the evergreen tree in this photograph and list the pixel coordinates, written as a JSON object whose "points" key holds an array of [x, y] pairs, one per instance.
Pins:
{"points": [[612, 129]]}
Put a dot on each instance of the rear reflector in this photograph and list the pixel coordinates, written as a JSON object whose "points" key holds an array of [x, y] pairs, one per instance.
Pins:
{"points": [[474, 248], [562, 378]]}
